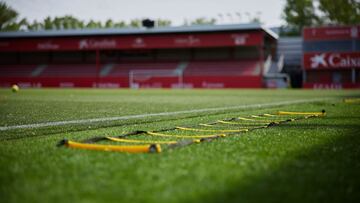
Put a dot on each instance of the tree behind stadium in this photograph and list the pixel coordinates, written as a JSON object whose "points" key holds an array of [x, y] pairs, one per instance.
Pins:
{"points": [[298, 14], [8, 17], [301, 13], [344, 12]]}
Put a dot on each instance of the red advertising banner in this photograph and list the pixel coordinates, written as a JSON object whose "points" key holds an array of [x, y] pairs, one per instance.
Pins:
{"points": [[331, 85], [133, 42], [331, 60], [331, 33], [123, 82]]}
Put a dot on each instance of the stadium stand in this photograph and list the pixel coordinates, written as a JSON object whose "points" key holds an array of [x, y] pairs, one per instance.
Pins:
{"points": [[210, 56], [124, 69], [69, 70], [7, 71], [228, 68]]}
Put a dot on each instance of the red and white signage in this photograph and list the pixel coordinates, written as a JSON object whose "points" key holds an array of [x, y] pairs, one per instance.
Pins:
{"points": [[331, 85], [133, 42], [331, 33], [97, 44], [240, 39], [47, 45], [331, 60], [187, 41]]}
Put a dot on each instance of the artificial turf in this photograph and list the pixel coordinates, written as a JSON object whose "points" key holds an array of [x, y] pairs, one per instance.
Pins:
{"points": [[311, 160]]}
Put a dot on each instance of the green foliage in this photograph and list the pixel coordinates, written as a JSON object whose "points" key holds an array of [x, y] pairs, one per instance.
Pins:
{"points": [[342, 12], [49, 24], [7, 14], [300, 13], [120, 24], [70, 22], [289, 31], [15, 26], [109, 24], [35, 25], [203, 21], [8, 22], [135, 23], [8, 17], [93, 24], [163, 23]]}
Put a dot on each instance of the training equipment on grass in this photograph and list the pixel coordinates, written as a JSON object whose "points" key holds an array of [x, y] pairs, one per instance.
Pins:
{"points": [[352, 101], [140, 141], [130, 149], [148, 145], [182, 136], [205, 130], [302, 113]]}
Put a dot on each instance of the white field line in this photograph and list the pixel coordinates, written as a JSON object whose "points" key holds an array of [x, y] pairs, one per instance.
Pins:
{"points": [[96, 120]]}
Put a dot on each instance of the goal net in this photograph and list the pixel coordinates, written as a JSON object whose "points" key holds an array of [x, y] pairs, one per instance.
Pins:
{"points": [[155, 79]]}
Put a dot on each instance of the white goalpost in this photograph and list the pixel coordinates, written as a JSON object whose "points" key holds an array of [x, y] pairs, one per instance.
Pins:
{"points": [[154, 78]]}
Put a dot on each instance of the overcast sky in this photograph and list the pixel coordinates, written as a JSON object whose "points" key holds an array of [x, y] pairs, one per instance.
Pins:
{"points": [[175, 10]]}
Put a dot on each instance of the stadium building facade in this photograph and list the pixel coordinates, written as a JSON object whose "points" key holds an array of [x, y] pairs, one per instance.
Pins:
{"points": [[331, 57], [213, 56]]}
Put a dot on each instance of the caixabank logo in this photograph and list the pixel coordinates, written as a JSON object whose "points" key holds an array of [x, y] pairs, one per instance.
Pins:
{"points": [[318, 60], [332, 60], [96, 44]]}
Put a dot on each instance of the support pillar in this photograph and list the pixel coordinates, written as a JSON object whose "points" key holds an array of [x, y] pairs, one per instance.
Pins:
{"points": [[97, 68], [261, 52], [353, 76]]}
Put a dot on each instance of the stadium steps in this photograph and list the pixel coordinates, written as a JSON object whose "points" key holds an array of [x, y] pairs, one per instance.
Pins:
{"points": [[106, 70], [38, 70], [181, 67]]}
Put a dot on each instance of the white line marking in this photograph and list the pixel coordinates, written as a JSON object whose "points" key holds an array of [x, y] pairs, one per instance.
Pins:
{"points": [[96, 120]]}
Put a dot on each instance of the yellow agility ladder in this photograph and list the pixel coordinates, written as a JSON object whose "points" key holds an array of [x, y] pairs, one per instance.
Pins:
{"points": [[252, 122], [152, 148], [323, 113], [352, 100]]}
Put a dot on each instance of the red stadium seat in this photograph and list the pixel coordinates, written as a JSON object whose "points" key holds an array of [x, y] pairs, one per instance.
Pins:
{"points": [[69, 70], [223, 68], [16, 70], [124, 69]]}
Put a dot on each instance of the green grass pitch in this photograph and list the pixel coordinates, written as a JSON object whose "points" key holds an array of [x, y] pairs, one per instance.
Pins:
{"points": [[313, 160]]}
